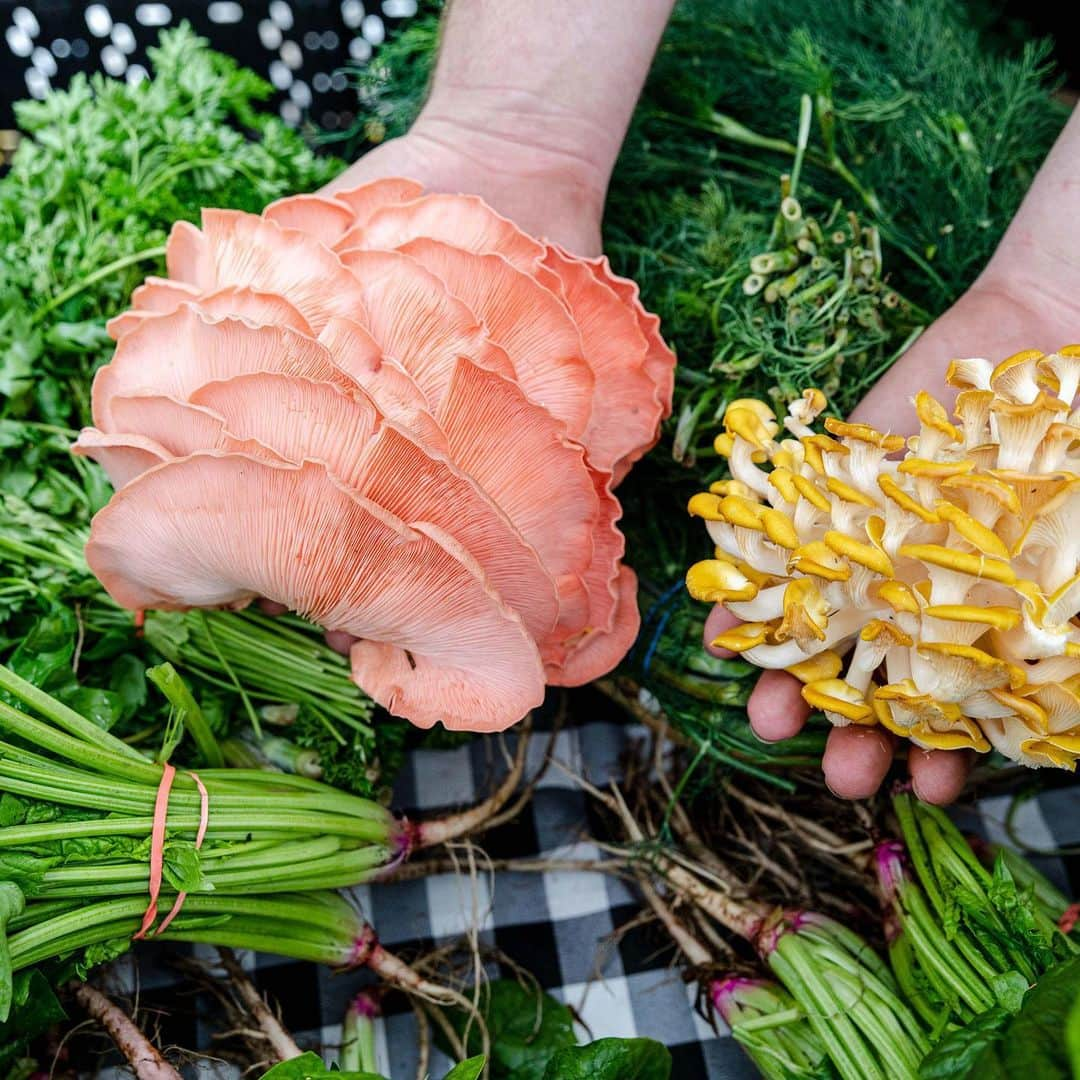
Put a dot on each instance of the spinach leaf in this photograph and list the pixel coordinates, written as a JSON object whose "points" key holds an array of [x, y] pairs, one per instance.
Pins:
{"points": [[34, 1010], [310, 1066], [1036, 1042], [611, 1059], [968, 1051], [526, 1028], [469, 1069]]}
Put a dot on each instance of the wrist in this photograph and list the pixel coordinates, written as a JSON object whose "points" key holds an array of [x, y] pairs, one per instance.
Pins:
{"points": [[545, 169]]}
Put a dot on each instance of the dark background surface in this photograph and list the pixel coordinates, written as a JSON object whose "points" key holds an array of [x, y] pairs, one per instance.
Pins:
{"points": [[301, 45]]}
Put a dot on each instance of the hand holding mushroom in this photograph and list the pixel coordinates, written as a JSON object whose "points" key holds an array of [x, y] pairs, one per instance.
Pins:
{"points": [[399, 415], [949, 578]]}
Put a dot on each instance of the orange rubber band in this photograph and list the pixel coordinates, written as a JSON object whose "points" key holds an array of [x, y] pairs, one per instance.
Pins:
{"points": [[157, 847]]}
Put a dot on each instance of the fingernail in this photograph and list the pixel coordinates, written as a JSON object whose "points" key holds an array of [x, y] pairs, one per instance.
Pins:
{"points": [[762, 739]]}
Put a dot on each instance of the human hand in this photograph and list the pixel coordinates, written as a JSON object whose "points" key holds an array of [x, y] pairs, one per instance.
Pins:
{"points": [[553, 194], [1028, 297]]}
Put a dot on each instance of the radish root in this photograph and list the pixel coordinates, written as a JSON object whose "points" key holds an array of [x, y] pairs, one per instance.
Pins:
{"points": [[144, 1058]]}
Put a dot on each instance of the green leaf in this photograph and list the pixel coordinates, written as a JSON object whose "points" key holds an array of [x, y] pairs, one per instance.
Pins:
{"points": [[611, 1059], [45, 653], [310, 1066], [526, 1028], [34, 1009], [1009, 989], [78, 337], [166, 678], [103, 707], [103, 952], [969, 1051], [469, 1069], [183, 868], [1033, 1043], [127, 680], [1072, 1036]]}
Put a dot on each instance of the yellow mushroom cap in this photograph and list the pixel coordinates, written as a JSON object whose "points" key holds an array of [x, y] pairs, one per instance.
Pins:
{"points": [[873, 558], [748, 424], [993, 487], [806, 615], [705, 505], [848, 493], [1053, 752], [973, 373], [724, 443], [864, 433], [818, 559], [823, 665], [731, 487], [782, 479], [893, 491], [743, 512], [932, 414], [1034, 716], [900, 597], [958, 738], [936, 470], [811, 492], [717, 580], [963, 562], [1000, 618], [971, 529], [882, 630], [840, 698], [780, 529], [742, 637]]}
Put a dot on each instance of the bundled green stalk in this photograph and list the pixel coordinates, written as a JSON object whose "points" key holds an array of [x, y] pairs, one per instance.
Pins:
{"points": [[963, 939], [86, 820], [767, 1022]]}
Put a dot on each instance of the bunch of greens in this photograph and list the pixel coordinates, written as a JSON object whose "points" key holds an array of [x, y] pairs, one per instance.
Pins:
{"points": [[964, 939], [89, 826], [907, 138], [102, 172], [973, 952]]}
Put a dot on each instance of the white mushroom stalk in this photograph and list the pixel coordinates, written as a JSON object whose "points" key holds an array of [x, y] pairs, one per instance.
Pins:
{"points": [[950, 578]]}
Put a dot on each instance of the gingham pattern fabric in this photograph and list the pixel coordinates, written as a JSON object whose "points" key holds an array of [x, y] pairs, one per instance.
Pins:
{"points": [[560, 926]]}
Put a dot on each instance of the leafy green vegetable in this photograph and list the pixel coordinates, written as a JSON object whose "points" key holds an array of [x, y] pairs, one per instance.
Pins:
{"points": [[310, 1066], [611, 1059], [469, 1069], [532, 1038], [104, 170], [34, 1010], [525, 1025], [1072, 1036], [101, 174], [1035, 1042]]}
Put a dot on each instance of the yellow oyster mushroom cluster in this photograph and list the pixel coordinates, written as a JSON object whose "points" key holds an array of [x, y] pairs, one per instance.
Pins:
{"points": [[929, 584]]}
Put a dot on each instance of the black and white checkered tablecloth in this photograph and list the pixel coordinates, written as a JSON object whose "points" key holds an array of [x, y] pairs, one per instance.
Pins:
{"points": [[560, 926]]}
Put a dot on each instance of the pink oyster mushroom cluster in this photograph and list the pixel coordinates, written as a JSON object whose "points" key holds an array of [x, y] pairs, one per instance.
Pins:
{"points": [[398, 415]]}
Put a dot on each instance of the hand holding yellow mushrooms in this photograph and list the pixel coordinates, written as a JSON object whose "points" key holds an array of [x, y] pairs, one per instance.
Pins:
{"points": [[951, 575]]}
